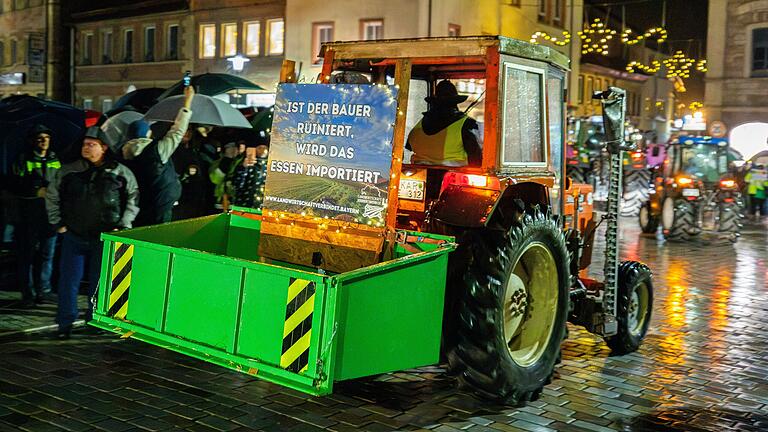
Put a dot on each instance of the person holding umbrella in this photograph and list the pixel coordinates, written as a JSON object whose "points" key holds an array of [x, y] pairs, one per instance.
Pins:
{"points": [[35, 237], [150, 160], [92, 195]]}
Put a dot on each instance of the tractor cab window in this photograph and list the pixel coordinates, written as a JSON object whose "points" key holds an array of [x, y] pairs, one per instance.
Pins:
{"points": [[523, 119], [706, 162]]}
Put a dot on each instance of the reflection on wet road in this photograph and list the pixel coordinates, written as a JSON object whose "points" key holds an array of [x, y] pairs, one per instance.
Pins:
{"points": [[703, 366]]}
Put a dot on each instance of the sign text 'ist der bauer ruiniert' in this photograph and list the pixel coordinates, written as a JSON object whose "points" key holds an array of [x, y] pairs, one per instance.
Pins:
{"points": [[331, 151]]}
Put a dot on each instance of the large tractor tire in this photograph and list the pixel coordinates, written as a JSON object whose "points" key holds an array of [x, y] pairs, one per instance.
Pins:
{"points": [[512, 310], [729, 220], [649, 223], [633, 307], [635, 191], [678, 219]]}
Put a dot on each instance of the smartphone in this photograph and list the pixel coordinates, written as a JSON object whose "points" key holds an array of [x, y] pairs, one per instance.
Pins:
{"points": [[187, 78]]}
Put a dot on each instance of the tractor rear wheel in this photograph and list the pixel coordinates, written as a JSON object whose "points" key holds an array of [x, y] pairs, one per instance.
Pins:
{"points": [[512, 310], [649, 223], [678, 218], [633, 307], [729, 220], [635, 191]]}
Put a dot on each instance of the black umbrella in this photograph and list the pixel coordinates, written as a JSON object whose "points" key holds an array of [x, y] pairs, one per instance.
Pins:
{"points": [[18, 114], [211, 84], [141, 100]]}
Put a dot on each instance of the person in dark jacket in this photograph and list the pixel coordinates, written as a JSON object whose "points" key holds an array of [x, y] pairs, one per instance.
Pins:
{"points": [[193, 161], [250, 176], [150, 160], [35, 237], [445, 135], [92, 195]]}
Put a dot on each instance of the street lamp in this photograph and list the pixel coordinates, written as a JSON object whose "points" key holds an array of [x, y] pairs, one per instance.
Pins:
{"points": [[238, 62]]}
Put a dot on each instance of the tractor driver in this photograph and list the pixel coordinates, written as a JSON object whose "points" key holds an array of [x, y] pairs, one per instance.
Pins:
{"points": [[445, 135]]}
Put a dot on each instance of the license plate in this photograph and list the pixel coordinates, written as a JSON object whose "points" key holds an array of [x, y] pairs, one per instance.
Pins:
{"points": [[411, 190], [690, 192]]}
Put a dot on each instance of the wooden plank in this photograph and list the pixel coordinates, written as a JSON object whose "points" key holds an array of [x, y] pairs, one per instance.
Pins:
{"points": [[492, 103], [403, 79]]}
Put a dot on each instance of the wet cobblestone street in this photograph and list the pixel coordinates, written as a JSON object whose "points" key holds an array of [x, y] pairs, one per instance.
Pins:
{"points": [[703, 366]]}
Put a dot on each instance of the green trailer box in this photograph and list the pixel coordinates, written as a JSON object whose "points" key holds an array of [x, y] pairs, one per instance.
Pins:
{"points": [[199, 287]]}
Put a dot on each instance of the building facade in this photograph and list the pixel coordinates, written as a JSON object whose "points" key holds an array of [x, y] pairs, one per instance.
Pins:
{"points": [[737, 56], [31, 49], [121, 48], [312, 22]]}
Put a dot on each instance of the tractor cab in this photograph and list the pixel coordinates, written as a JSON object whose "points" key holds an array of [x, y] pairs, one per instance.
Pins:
{"points": [[703, 159]]}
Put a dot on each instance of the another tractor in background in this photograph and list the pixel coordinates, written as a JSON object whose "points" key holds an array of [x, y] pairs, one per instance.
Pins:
{"points": [[694, 192]]}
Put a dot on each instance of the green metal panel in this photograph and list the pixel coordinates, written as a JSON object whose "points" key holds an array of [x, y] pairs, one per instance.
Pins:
{"points": [[243, 238], [146, 299], [263, 316], [203, 301], [208, 234], [387, 325]]}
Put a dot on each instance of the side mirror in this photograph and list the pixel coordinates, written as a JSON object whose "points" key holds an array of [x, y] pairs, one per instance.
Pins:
{"points": [[613, 101]]}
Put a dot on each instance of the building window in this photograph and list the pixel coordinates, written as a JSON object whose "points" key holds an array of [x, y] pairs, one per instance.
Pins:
{"points": [[88, 48], [557, 12], [372, 29], [128, 46], [760, 51], [2, 53], [252, 39], [207, 40], [228, 39], [275, 36], [454, 30], [87, 103], [19, 4], [542, 10], [14, 51], [321, 33], [590, 89], [580, 96], [106, 47], [172, 42], [149, 44], [106, 105]]}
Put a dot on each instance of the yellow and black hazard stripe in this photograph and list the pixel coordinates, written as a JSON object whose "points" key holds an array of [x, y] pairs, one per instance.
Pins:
{"points": [[297, 330], [121, 280]]}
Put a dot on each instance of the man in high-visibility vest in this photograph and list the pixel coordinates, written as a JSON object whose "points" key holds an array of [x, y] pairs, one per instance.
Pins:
{"points": [[35, 237], [757, 183], [445, 135]]}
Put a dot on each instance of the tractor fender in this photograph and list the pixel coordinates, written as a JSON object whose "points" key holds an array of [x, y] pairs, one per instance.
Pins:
{"points": [[473, 207]]}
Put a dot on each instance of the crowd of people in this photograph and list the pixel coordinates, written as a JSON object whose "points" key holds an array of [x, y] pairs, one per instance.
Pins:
{"points": [[158, 174]]}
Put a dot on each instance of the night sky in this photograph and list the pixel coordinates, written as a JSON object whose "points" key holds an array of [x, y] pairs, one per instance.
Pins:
{"points": [[686, 24]]}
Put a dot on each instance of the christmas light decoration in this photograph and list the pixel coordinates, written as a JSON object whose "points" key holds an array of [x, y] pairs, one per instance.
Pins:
{"points": [[559, 41], [701, 66], [696, 106], [595, 38], [651, 69], [679, 65], [659, 33]]}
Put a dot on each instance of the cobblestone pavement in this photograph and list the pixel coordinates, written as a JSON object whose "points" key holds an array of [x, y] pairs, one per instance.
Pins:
{"points": [[703, 366], [15, 319]]}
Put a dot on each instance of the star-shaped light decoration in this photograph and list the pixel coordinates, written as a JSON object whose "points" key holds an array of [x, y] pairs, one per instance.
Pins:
{"points": [[679, 65], [659, 33], [637, 66], [595, 37], [564, 40]]}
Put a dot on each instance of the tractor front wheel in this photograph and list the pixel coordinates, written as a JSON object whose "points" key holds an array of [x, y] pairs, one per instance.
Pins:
{"points": [[729, 220], [512, 310], [634, 304], [678, 218], [649, 222]]}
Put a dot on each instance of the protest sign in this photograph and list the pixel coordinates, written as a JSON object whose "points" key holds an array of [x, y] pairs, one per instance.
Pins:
{"points": [[331, 152]]}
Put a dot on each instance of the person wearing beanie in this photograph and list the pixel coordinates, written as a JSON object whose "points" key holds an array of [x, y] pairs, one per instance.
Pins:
{"points": [[92, 195], [35, 237], [150, 160], [445, 135]]}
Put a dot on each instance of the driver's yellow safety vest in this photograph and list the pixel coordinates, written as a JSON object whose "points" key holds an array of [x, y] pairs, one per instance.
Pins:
{"points": [[443, 148]]}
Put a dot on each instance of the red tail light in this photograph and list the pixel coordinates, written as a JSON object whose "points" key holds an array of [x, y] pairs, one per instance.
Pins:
{"points": [[684, 181], [470, 180], [636, 156], [727, 184]]}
